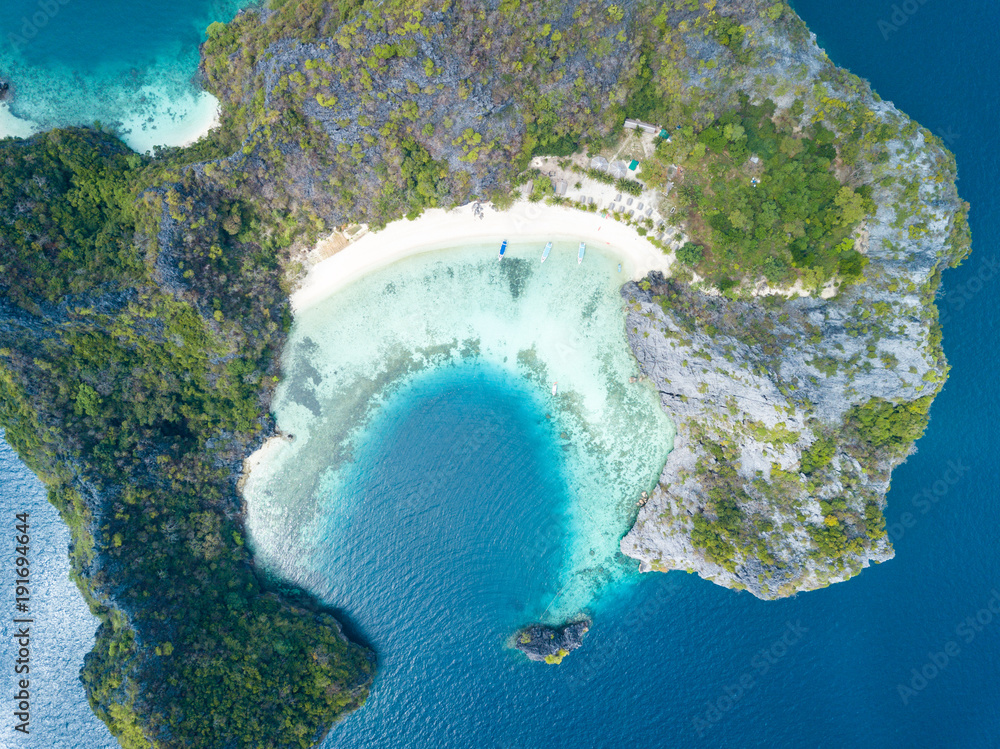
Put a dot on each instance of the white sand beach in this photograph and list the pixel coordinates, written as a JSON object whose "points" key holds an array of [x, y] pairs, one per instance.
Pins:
{"points": [[169, 122], [210, 118], [164, 123], [437, 229], [14, 127]]}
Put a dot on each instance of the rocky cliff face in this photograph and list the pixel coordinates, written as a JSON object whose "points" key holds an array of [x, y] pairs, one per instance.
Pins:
{"points": [[784, 446], [405, 107], [551, 644]]}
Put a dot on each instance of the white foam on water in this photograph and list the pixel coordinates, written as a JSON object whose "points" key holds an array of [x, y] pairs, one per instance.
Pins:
{"points": [[558, 322]]}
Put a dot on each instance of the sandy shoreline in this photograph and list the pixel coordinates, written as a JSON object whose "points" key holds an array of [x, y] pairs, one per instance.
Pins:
{"points": [[438, 229], [181, 123], [12, 126], [205, 127]]}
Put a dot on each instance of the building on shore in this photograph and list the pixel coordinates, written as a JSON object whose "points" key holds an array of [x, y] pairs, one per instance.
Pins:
{"points": [[640, 125], [600, 163]]}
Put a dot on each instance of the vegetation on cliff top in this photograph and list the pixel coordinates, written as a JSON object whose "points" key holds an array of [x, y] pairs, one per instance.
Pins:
{"points": [[394, 107], [144, 396], [69, 227], [763, 200], [777, 529]]}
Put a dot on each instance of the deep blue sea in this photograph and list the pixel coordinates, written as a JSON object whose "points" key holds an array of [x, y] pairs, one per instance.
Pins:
{"points": [[672, 660], [60, 626]]}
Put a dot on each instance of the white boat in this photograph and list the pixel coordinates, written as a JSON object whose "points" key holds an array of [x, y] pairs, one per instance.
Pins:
{"points": [[546, 251], [555, 387], [503, 249], [579, 255]]}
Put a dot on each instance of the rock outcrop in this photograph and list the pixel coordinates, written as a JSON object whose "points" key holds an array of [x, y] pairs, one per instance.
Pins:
{"points": [[551, 644]]}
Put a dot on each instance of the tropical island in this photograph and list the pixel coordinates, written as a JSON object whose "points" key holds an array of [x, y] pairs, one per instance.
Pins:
{"points": [[785, 259]]}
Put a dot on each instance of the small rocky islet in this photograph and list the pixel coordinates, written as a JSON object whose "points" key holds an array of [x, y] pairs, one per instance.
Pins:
{"points": [[546, 644]]}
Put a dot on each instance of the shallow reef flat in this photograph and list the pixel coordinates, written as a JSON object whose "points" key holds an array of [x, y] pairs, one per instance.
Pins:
{"points": [[555, 326]]}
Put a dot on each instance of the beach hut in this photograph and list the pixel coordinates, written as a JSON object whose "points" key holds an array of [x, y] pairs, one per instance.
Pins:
{"points": [[619, 169], [640, 125], [561, 188], [600, 163]]}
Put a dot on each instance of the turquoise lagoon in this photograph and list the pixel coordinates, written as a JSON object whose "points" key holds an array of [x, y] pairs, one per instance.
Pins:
{"points": [[532, 398], [130, 66]]}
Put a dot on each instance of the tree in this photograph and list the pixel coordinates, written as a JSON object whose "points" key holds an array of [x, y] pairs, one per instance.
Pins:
{"points": [[851, 265], [690, 254], [734, 133], [852, 206], [541, 188], [791, 147]]}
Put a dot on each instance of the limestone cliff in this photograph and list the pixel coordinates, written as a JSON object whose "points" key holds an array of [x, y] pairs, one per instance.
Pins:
{"points": [[792, 414]]}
